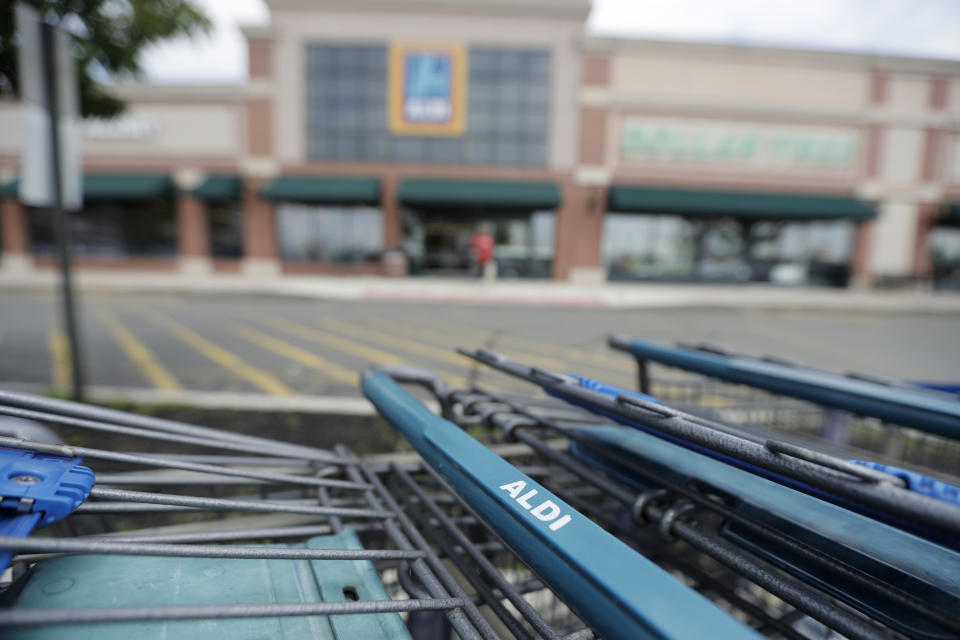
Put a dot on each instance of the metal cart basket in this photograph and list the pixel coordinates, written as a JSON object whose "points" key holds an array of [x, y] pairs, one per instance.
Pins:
{"points": [[578, 510]]}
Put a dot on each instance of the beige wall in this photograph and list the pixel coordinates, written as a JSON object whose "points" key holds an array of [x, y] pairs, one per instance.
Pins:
{"points": [[953, 97], [295, 29], [908, 93], [901, 156], [713, 81], [952, 160], [892, 242], [150, 131]]}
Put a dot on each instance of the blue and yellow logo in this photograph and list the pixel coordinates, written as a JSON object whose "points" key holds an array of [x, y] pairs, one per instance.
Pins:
{"points": [[427, 89]]}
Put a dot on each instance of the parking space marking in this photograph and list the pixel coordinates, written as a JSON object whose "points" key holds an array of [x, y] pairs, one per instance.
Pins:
{"points": [[573, 354], [412, 346], [60, 375], [404, 344], [295, 353], [539, 361], [338, 343], [141, 355], [229, 361]]}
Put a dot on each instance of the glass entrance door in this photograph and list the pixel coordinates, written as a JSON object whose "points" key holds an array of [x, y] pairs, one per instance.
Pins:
{"points": [[438, 243]]}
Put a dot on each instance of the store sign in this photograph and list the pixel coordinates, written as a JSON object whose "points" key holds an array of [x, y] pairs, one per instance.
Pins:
{"points": [[427, 89], [122, 128], [677, 141]]}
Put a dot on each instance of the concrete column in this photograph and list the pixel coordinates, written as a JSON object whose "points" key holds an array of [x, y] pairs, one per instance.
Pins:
{"points": [[579, 234], [259, 236], [859, 256], [922, 260], [392, 221], [15, 257], [393, 263], [193, 236]]}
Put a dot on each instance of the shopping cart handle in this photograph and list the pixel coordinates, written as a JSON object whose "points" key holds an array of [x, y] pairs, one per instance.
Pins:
{"points": [[36, 490], [618, 592], [919, 410], [922, 568]]}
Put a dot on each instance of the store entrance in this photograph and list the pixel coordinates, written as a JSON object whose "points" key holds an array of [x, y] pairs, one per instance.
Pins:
{"points": [[438, 242]]}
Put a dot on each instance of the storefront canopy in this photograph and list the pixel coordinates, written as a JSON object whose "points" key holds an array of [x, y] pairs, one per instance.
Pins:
{"points": [[736, 204], [492, 194], [102, 187], [126, 186], [324, 190], [223, 186]]}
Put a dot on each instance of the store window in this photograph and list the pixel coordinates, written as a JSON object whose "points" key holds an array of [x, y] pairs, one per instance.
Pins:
{"points": [[508, 109], [111, 229], [341, 235], [945, 256], [524, 247], [226, 229], [652, 247]]}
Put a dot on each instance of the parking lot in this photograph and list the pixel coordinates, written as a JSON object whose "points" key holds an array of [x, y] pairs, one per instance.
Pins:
{"points": [[288, 346]]}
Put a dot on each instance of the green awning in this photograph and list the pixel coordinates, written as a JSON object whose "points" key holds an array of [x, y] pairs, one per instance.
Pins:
{"points": [[116, 186], [324, 190], [493, 194], [736, 204], [126, 186], [9, 189], [219, 186]]}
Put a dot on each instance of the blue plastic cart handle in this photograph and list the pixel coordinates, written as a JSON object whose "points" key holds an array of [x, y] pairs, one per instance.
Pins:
{"points": [[38, 489], [923, 411], [615, 590]]}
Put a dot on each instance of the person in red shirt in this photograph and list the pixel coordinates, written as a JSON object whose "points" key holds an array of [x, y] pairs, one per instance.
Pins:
{"points": [[482, 244]]}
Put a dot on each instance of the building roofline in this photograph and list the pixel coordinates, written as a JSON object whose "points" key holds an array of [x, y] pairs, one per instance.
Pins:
{"points": [[818, 56], [189, 92], [571, 9], [258, 32]]}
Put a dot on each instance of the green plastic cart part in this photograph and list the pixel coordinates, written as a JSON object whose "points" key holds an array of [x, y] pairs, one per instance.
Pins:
{"points": [[135, 581]]}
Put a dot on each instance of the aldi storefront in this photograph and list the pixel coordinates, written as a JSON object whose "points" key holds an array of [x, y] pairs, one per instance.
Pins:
{"points": [[378, 138]]}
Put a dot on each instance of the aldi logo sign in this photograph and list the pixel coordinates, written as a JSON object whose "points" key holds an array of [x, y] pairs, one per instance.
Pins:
{"points": [[427, 89]]}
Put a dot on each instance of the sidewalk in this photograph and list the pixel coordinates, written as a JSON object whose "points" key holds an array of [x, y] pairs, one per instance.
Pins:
{"points": [[505, 292]]}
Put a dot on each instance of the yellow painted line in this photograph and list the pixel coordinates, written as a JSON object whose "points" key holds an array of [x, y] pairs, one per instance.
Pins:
{"points": [[428, 351], [297, 354], [411, 346], [334, 341], [617, 362], [260, 379], [60, 374], [713, 400], [528, 358], [158, 375]]}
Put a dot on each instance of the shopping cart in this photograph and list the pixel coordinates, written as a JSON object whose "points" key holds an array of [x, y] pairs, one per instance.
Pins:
{"points": [[518, 516], [855, 415]]}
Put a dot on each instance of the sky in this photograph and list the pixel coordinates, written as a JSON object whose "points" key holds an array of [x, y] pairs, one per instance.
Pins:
{"points": [[920, 28]]}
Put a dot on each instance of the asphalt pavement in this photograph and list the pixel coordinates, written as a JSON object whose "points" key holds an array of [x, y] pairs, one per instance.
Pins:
{"points": [[256, 344]]}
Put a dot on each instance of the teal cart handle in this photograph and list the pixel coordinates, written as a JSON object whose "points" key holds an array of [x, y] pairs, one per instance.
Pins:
{"points": [[919, 410], [615, 590]]}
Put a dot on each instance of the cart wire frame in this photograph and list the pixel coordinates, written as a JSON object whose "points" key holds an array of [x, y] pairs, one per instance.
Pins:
{"points": [[444, 565]]}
